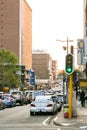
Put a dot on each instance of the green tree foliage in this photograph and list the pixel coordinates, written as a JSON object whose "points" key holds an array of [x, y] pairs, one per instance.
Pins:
{"points": [[8, 69]]}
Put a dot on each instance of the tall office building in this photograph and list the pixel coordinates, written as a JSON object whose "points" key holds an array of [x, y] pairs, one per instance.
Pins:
{"points": [[54, 69], [42, 64], [16, 29], [85, 17]]}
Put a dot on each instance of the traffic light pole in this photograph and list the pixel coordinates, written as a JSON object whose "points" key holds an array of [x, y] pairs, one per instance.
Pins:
{"points": [[70, 96], [70, 91]]}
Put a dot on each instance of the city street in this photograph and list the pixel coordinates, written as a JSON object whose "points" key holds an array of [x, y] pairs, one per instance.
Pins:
{"points": [[19, 118], [43, 65]]}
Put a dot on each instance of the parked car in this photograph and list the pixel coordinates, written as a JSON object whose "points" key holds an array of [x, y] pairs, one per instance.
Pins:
{"points": [[9, 100], [29, 91], [43, 103], [2, 104], [57, 101], [29, 97], [37, 93], [20, 97], [1, 93], [61, 98]]}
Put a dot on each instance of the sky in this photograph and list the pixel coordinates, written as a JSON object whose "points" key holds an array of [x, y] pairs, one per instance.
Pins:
{"points": [[54, 20]]}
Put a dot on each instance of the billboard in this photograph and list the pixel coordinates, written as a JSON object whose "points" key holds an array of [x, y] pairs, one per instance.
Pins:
{"points": [[32, 77], [80, 51], [85, 49]]}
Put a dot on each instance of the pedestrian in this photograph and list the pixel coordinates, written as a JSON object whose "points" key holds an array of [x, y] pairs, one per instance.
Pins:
{"points": [[82, 98]]}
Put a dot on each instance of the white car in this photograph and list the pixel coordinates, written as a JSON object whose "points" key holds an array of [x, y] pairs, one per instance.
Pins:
{"points": [[43, 103]]}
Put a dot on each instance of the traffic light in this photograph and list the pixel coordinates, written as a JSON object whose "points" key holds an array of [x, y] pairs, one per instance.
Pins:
{"points": [[69, 64], [22, 73]]}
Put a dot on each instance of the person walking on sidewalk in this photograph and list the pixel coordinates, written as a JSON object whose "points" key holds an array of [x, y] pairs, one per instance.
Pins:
{"points": [[82, 98]]}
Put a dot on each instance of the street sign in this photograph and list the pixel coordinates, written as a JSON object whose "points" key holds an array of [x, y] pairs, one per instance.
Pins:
{"points": [[85, 49], [83, 83], [80, 51]]}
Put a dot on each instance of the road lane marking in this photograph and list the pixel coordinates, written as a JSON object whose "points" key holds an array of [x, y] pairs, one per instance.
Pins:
{"points": [[83, 127], [44, 122]]}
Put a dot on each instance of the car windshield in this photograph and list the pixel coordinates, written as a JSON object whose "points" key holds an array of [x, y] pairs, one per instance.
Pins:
{"points": [[16, 93], [42, 99], [54, 99]]}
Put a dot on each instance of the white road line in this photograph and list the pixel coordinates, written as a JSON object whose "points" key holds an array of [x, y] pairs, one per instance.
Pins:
{"points": [[44, 122], [55, 118], [83, 127]]}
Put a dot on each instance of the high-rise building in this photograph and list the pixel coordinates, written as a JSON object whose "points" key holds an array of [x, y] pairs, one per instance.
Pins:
{"points": [[16, 29], [54, 69], [85, 17], [42, 64]]}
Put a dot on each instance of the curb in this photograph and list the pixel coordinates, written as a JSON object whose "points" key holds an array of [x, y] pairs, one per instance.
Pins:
{"points": [[63, 124]]}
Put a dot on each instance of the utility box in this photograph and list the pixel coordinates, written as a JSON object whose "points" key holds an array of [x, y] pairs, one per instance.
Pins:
{"points": [[74, 107], [66, 110]]}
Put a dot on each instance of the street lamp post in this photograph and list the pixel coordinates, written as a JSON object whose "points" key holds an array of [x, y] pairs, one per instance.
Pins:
{"points": [[67, 41]]}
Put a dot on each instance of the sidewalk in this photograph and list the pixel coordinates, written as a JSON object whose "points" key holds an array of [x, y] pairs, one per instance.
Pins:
{"points": [[79, 119]]}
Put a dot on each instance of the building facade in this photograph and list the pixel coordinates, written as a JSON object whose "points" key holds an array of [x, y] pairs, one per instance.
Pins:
{"points": [[85, 17], [54, 69], [42, 64], [16, 29]]}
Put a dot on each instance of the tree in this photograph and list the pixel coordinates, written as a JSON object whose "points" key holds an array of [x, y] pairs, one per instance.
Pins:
{"points": [[8, 69]]}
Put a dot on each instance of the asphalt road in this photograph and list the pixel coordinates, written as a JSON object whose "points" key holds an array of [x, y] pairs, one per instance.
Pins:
{"points": [[18, 118]]}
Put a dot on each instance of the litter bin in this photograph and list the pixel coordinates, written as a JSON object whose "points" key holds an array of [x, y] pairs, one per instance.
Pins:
{"points": [[66, 110]]}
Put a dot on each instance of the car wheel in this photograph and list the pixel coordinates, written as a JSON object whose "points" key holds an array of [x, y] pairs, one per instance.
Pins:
{"points": [[0, 106], [53, 113], [31, 113], [26, 102], [4, 106], [21, 103]]}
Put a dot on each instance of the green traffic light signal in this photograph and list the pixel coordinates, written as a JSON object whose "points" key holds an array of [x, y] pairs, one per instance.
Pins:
{"points": [[69, 64], [69, 70]]}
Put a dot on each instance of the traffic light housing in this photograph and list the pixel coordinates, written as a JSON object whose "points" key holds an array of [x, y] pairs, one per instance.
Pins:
{"points": [[69, 64], [22, 73]]}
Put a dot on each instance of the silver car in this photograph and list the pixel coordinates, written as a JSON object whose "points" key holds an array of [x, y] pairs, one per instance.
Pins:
{"points": [[43, 103]]}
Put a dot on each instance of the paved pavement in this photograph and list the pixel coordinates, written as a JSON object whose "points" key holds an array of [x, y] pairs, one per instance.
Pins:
{"points": [[80, 120]]}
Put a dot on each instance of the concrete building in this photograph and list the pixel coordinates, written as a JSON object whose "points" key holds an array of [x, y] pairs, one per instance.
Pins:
{"points": [[85, 17], [54, 69], [42, 65], [16, 29]]}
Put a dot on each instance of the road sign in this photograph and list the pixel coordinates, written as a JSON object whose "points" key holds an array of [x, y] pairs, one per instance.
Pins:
{"points": [[80, 51], [83, 83], [85, 49]]}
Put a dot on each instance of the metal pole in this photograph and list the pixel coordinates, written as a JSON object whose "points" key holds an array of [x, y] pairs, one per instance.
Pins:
{"points": [[70, 97], [63, 89], [67, 44]]}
